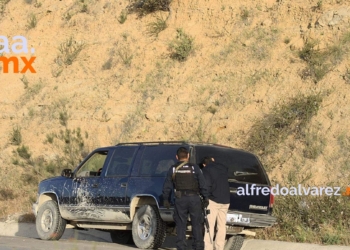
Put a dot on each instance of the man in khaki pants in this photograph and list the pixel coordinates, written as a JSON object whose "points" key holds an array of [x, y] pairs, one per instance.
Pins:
{"points": [[216, 178]]}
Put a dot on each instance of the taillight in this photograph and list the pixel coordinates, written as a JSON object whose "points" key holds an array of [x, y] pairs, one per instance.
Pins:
{"points": [[272, 199]]}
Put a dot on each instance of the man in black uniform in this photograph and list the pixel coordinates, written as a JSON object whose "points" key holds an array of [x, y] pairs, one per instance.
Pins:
{"points": [[189, 183]]}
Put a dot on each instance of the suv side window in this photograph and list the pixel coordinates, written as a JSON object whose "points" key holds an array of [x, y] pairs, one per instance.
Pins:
{"points": [[121, 161], [156, 160], [93, 165]]}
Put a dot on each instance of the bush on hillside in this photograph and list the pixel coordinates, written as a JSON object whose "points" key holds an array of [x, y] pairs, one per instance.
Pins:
{"points": [[144, 7]]}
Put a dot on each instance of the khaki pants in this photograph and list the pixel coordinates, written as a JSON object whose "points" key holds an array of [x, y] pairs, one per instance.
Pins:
{"points": [[217, 214]]}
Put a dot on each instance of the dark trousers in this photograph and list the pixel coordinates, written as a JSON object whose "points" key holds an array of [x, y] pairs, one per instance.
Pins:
{"points": [[189, 205]]}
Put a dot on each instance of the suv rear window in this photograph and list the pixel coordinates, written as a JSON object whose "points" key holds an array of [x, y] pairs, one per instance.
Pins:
{"points": [[243, 166]]}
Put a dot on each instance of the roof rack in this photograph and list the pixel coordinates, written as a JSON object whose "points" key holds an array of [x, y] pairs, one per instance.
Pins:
{"points": [[152, 142]]}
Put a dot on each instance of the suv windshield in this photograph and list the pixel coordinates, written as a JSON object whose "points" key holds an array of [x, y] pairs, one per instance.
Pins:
{"points": [[243, 166]]}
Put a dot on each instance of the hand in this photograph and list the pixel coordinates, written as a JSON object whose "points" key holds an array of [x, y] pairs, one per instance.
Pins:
{"points": [[206, 202], [166, 204]]}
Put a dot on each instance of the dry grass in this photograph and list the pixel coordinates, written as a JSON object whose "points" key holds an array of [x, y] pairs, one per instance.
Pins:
{"points": [[287, 118], [322, 220], [237, 89]]}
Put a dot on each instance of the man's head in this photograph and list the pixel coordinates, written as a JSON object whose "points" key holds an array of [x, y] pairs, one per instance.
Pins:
{"points": [[182, 154], [206, 160]]}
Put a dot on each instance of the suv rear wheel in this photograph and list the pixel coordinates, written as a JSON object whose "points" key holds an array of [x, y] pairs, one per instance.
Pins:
{"points": [[49, 223], [148, 228]]}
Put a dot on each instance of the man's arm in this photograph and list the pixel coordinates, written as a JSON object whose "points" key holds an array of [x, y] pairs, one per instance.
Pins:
{"points": [[202, 184]]}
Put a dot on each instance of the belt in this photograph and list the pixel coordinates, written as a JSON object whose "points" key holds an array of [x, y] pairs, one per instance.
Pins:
{"points": [[188, 192]]}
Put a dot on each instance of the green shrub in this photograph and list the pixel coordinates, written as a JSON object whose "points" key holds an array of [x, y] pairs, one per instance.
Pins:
{"points": [[25, 81], [108, 64], [245, 15], [37, 4], [6, 194], [50, 137], [346, 76], [63, 117], [142, 7], [182, 46], [123, 16], [286, 40], [3, 5], [73, 146], [125, 55], [154, 28], [52, 168], [212, 110], [331, 239], [84, 8], [16, 136], [320, 62], [32, 22], [314, 145], [283, 120], [30, 178], [69, 51], [324, 219], [23, 152]]}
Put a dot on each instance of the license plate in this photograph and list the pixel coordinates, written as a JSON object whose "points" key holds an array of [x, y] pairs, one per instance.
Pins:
{"points": [[236, 218]]}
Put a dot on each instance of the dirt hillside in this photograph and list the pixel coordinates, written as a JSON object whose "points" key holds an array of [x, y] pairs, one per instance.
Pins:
{"points": [[99, 70]]}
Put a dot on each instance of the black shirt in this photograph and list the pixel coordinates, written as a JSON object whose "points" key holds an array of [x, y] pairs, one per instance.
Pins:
{"points": [[216, 178]]}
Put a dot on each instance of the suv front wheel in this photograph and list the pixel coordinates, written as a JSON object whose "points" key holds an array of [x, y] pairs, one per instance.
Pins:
{"points": [[49, 223], [148, 228]]}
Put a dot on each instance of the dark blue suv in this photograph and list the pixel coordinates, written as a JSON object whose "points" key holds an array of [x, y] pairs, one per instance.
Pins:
{"points": [[119, 189]]}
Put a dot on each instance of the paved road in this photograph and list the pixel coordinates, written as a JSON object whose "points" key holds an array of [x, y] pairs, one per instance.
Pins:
{"points": [[23, 236], [22, 243]]}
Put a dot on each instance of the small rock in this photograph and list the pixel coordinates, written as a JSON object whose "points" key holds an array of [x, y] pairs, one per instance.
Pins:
{"points": [[266, 22]]}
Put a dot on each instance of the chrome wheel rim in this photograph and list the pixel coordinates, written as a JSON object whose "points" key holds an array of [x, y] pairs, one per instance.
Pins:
{"points": [[144, 229], [47, 220]]}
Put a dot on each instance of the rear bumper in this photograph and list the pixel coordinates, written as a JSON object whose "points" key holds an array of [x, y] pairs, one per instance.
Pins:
{"points": [[233, 219], [253, 220]]}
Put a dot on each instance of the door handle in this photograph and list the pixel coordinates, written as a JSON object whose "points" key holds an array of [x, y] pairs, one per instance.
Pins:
{"points": [[233, 190], [94, 185], [123, 184]]}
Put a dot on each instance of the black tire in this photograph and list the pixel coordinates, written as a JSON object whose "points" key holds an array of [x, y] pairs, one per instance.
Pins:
{"points": [[49, 223], [234, 243], [148, 228], [122, 237]]}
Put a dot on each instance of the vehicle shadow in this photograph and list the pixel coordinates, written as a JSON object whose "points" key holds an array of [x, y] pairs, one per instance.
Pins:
{"points": [[28, 230]]}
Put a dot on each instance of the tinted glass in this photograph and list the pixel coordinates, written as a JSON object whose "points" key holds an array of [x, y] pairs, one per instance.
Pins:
{"points": [[243, 166], [121, 161], [156, 160]]}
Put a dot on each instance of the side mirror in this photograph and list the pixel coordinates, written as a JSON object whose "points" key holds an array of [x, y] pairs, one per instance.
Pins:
{"points": [[67, 173]]}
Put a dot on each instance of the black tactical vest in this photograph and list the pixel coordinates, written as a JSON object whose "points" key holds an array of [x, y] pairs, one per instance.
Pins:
{"points": [[185, 179]]}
